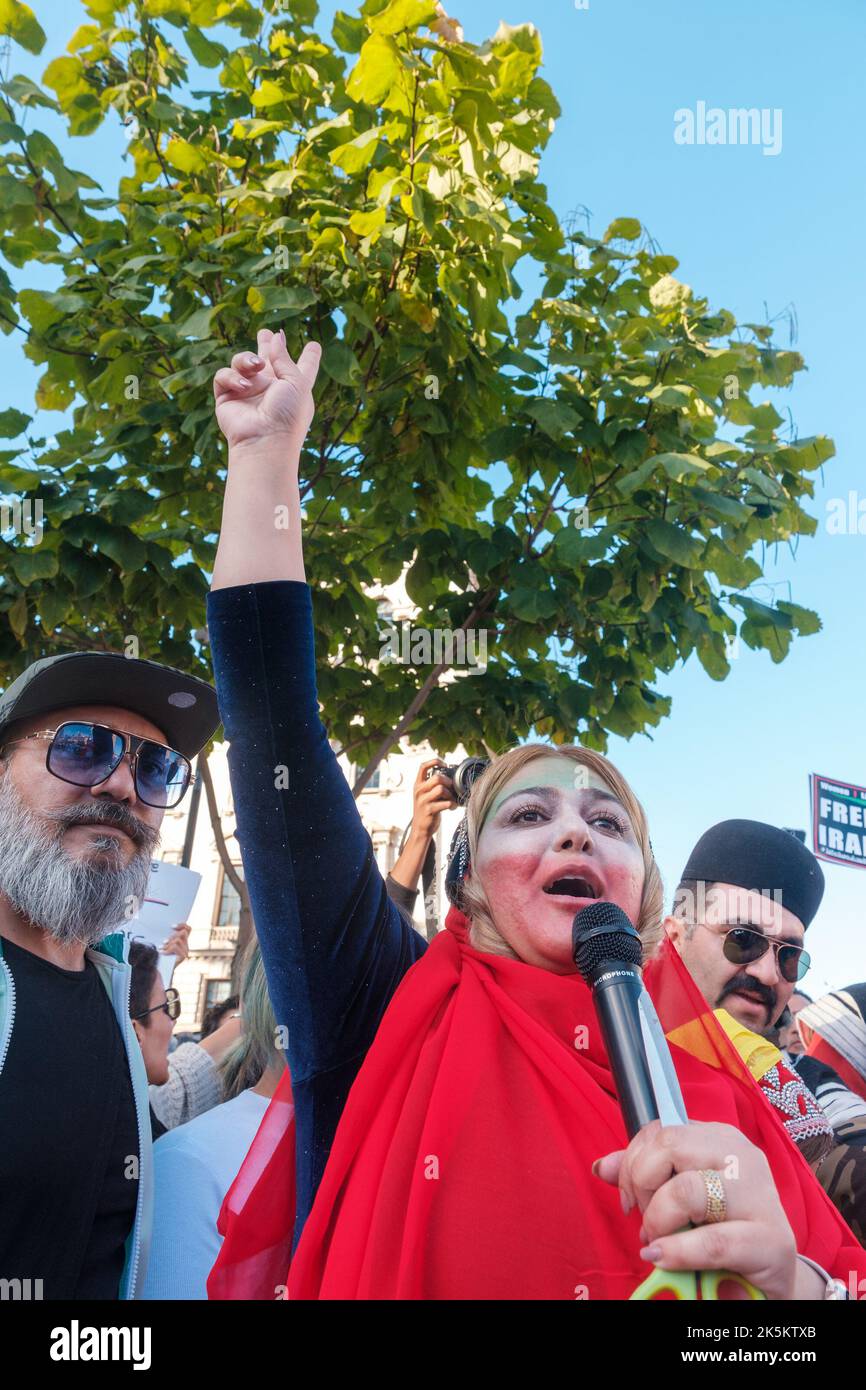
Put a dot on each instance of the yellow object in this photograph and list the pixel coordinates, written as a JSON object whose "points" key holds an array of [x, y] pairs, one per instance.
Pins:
{"points": [[758, 1055], [700, 1286]]}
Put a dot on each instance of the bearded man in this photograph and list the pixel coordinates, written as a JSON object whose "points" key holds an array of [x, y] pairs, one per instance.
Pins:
{"points": [[94, 748]]}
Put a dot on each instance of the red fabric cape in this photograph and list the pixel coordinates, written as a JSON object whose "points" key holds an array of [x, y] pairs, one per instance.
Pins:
{"points": [[461, 1167]]}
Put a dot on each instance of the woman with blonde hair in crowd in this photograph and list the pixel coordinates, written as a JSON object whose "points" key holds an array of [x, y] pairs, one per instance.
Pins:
{"points": [[196, 1163], [458, 1133]]}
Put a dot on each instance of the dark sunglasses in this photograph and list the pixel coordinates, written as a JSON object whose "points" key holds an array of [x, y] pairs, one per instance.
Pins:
{"points": [[742, 946], [86, 754], [171, 1006]]}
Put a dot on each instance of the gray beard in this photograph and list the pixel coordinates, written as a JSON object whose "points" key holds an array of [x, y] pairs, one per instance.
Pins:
{"points": [[75, 901]]}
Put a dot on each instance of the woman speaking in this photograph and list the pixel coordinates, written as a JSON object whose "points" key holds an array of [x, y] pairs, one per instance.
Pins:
{"points": [[458, 1134]]}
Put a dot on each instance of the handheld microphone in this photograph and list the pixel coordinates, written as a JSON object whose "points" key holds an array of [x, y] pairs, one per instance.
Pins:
{"points": [[607, 952]]}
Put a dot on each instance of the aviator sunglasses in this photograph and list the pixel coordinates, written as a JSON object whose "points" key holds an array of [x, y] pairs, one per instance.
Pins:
{"points": [[742, 946], [86, 754]]}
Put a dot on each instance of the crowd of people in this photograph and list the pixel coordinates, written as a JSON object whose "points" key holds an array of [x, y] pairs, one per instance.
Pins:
{"points": [[379, 1115]]}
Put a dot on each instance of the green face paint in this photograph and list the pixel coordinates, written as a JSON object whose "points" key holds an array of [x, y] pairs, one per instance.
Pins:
{"points": [[550, 771]]}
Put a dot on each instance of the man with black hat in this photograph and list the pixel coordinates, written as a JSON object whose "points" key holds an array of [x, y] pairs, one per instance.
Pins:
{"points": [[94, 748], [744, 900]]}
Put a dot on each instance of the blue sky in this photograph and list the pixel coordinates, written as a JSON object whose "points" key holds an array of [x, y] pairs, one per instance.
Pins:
{"points": [[754, 233]]}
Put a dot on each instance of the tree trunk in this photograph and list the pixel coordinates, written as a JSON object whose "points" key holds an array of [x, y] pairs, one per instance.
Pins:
{"points": [[246, 926], [419, 700]]}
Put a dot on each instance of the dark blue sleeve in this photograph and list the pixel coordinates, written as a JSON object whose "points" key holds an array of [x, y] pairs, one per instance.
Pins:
{"points": [[334, 945]]}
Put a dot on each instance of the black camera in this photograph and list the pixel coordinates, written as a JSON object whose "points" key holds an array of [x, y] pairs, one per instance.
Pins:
{"points": [[463, 776]]}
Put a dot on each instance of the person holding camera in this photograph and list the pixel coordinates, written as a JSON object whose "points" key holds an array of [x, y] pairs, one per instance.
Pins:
{"points": [[432, 794]]}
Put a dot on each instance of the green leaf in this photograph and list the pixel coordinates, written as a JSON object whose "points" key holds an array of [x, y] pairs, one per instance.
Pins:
{"points": [[721, 506], [577, 548], [675, 466], [54, 604], [65, 76], [36, 563], [19, 21], [124, 548], [674, 543], [734, 570], [17, 615], [674, 395], [278, 299], [806, 454], [623, 229], [348, 32], [197, 325], [203, 49], [43, 308], [554, 417], [174, 9], [340, 363], [185, 157], [760, 614], [13, 422], [597, 581], [679, 466], [402, 14], [269, 94], [377, 70], [366, 223], [82, 570], [802, 619], [127, 505], [712, 656], [532, 605], [356, 154]]}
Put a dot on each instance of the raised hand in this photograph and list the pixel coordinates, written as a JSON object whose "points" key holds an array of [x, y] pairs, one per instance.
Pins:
{"points": [[265, 398], [431, 797]]}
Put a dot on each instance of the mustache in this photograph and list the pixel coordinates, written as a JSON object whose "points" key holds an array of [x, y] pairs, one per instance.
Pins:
{"points": [[111, 813], [765, 993]]}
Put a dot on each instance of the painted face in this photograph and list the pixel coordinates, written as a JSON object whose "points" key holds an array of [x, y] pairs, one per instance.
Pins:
{"points": [[555, 839]]}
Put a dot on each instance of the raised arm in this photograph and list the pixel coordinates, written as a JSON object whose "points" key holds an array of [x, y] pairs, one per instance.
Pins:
{"points": [[334, 946]]}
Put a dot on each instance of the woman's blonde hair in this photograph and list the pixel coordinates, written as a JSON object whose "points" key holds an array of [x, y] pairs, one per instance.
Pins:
{"points": [[246, 1061], [484, 792]]}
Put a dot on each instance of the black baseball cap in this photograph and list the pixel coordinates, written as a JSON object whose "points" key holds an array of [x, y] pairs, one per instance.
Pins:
{"points": [[183, 707]]}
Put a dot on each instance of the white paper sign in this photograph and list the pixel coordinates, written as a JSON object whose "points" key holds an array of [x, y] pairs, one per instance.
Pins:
{"points": [[171, 892]]}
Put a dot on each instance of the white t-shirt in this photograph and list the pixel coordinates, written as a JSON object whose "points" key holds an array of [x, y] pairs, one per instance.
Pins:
{"points": [[194, 1167]]}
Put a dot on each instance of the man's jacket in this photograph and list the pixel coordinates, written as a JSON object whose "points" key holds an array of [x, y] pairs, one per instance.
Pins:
{"points": [[111, 958]]}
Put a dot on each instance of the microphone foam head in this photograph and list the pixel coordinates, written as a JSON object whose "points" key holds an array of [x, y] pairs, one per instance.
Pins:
{"points": [[602, 932]]}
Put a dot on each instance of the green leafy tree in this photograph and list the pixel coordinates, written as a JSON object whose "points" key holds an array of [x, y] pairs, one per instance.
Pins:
{"points": [[586, 478]]}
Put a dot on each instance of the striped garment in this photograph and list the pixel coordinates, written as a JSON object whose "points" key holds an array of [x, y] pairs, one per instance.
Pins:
{"points": [[842, 1174]]}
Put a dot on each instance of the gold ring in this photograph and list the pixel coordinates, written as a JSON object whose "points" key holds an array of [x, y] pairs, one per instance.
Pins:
{"points": [[717, 1203]]}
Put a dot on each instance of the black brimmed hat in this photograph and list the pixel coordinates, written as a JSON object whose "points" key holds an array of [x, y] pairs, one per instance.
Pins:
{"points": [[183, 707]]}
